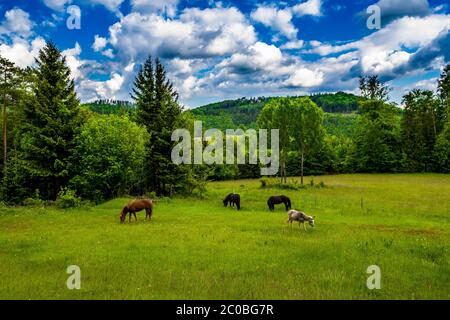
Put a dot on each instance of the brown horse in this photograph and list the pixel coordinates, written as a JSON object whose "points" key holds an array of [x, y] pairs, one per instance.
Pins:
{"points": [[135, 206]]}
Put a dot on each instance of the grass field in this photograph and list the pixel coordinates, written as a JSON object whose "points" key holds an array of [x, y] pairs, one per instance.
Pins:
{"points": [[197, 249]]}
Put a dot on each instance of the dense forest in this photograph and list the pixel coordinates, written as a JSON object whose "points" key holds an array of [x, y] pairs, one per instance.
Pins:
{"points": [[110, 107], [244, 112], [57, 149]]}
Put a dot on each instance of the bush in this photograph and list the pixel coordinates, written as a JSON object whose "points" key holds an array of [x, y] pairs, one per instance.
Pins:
{"points": [[34, 201], [292, 185], [31, 202], [264, 182], [67, 199], [151, 195]]}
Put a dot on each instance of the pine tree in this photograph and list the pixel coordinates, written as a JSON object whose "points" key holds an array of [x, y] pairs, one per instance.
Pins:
{"points": [[148, 115], [442, 147], [51, 121], [372, 88], [444, 92], [444, 84], [9, 91], [158, 110], [420, 127]]}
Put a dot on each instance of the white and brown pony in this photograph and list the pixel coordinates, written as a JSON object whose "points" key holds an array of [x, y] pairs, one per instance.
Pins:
{"points": [[301, 217]]}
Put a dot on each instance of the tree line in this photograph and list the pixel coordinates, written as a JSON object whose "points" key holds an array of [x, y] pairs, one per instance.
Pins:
{"points": [[379, 137], [53, 148], [386, 138]]}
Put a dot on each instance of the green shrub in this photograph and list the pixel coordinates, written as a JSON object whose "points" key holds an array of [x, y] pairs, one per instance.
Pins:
{"points": [[321, 184], [34, 201], [264, 182], [200, 189], [67, 199], [151, 195]]}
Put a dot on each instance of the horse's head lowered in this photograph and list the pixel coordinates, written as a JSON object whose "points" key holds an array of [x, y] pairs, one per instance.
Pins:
{"points": [[227, 199], [123, 214], [311, 221]]}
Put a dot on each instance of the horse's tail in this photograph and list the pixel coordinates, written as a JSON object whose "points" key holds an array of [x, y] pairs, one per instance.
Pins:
{"points": [[289, 203]]}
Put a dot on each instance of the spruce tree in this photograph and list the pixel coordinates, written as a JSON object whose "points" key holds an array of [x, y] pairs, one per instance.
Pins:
{"points": [[51, 120], [420, 127], [442, 147], [444, 93], [158, 110], [147, 114], [9, 91], [372, 88], [444, 84]]}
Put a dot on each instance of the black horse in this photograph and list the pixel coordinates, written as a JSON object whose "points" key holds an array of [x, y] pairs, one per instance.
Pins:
{"points": [[277, 200], [233, 199]]}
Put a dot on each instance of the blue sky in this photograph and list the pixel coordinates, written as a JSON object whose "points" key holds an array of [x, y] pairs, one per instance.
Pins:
{"points": [[216, 50]]}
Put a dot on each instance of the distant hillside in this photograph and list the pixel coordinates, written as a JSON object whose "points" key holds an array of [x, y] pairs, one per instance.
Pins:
{"points": [[110, 106], [230, 113], [340, 117], [234, 113], [339, 102]]}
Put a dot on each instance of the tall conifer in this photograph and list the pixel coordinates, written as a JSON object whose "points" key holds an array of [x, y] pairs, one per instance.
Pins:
{"points": [[51, 120]]}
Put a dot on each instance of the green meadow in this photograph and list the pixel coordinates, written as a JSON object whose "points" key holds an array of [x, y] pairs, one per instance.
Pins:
{"points": [[198, 249]]}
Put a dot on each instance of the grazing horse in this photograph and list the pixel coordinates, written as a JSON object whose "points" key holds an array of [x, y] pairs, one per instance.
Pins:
{"points": [[135, 206], [233, 198], [277, 200], [301, 217]]}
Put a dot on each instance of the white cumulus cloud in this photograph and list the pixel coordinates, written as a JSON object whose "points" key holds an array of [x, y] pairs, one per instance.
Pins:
{"points": [[278, 20], [305, 78], [16, 23], [99, 43], [22, 52], [310, 7], [168, 7]]}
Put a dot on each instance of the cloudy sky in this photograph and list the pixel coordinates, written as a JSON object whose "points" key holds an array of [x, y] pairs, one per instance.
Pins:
{"points": [[215, 50]]}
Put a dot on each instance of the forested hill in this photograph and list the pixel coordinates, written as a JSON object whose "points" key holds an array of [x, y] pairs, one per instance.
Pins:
{"points": [[109, 106], [230, 113], [340, 117], [233, 113]]}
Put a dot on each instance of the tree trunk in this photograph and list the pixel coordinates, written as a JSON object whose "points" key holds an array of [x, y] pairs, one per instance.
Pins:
{"points": [[302, 167], [283, 169], [56, 187], [5, 141]]}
